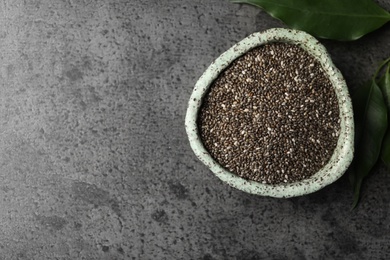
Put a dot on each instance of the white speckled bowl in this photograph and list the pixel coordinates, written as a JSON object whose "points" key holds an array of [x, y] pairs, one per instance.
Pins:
{"points": [[343, 153]]}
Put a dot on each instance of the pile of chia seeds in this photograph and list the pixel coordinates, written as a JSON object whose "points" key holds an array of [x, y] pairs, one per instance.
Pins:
{"points": [[272, 116]]}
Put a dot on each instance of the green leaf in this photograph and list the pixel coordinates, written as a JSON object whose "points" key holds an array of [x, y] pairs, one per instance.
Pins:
{"points": [[332, 19], [371, 123], [385, 153], [384, 85]]}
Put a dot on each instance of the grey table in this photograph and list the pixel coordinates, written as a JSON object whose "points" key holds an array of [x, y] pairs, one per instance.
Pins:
{"points": [[95, 162]]}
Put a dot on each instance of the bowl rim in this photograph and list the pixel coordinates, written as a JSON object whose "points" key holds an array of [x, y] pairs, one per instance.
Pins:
{"points": [[343, 153]]}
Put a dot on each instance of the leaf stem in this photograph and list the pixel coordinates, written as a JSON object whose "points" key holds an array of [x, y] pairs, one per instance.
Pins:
{"points": [[356, 193]]}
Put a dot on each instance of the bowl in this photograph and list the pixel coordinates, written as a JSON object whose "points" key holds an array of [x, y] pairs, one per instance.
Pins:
{"points": [[341, 157]]}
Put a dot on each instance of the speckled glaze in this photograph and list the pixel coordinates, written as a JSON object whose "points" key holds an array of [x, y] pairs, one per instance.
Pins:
{"points": [[343, 153]]}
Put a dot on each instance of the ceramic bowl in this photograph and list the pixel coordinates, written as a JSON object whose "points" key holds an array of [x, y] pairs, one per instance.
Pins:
{"points": [[343, 153]]}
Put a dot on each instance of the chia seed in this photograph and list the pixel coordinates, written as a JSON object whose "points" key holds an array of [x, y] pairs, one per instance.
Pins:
{"points": [[272, 116]]}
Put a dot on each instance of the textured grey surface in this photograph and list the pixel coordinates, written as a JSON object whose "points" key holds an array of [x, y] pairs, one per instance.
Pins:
{"points": [[95, 163]]}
